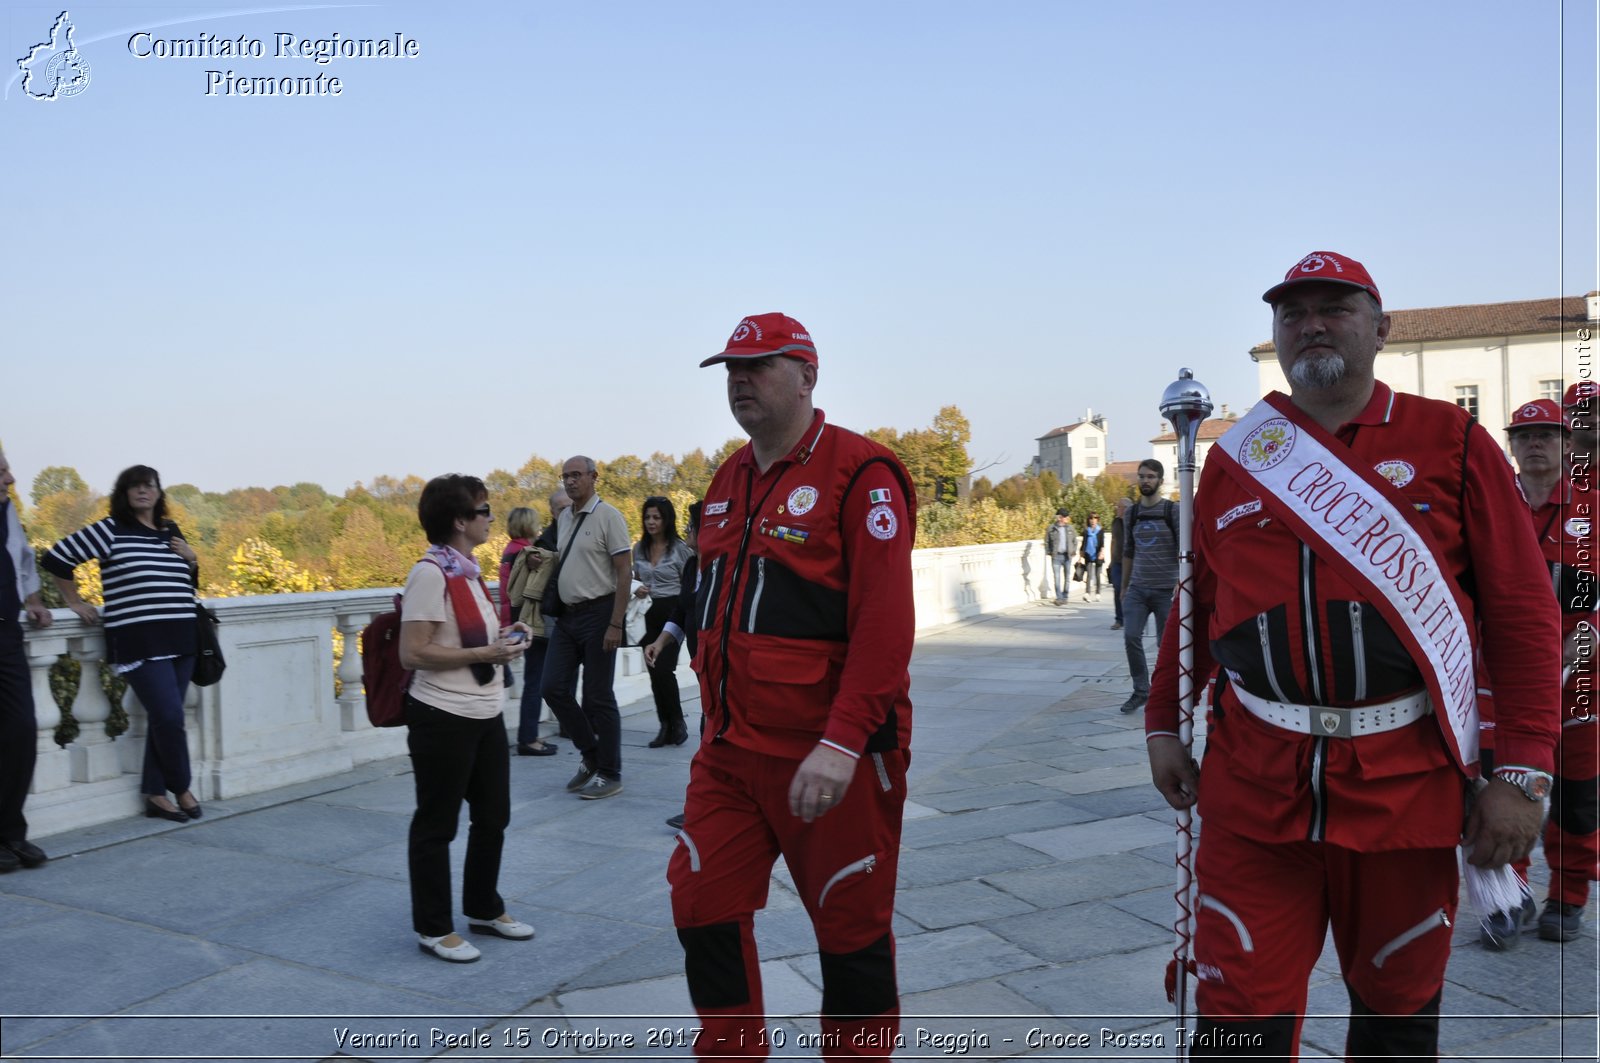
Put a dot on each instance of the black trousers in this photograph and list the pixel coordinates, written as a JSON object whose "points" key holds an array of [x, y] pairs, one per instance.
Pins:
{"points": [[454, 758], [595, 725], [19, 732], [663, 677]]}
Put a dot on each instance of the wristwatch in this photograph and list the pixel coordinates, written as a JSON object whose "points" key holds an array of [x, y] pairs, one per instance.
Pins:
{"points": [[1535, 785]]}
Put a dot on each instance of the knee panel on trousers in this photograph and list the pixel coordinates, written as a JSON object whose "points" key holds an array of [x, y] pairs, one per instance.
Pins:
{"points": [[1575, 805], [859, 984], [1272, 1038], [1371, 1036], [713, 961]]}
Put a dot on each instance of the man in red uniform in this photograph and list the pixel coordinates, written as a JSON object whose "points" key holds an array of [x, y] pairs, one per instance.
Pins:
{"points": [[1563, 512], [1346, 541], [805, 619]]}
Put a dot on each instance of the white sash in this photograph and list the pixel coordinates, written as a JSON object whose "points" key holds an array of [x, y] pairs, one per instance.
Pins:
{"points": [[1355, 520]]}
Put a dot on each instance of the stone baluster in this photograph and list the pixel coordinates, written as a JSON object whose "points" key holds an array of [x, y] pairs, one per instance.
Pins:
{"points": [[130, 744], [94, 757], [53, 770], [352, 697]]}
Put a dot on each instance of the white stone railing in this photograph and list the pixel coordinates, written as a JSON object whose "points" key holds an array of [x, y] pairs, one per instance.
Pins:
{"points": [[275, 719]]}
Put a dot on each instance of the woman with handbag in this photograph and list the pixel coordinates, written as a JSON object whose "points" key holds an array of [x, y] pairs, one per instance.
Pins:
{"points": [[452, 641], [147, 573], [658, 561]]}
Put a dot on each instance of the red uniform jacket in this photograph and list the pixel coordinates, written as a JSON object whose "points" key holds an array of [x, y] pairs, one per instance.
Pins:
{"points": [[1289, 628], [1564, 524], [804, 606]]}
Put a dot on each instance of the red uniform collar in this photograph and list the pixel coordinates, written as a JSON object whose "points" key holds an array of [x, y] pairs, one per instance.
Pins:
{"points": [[1379, 409], [802, 451]]}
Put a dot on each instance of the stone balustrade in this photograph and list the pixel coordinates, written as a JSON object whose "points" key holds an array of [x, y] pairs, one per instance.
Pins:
{"points": [[276, 719]]}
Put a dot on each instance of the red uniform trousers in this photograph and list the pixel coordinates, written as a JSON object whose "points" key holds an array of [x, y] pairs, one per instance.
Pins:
{"points": [[736, 824], [1391, 914], [1571, 840]]}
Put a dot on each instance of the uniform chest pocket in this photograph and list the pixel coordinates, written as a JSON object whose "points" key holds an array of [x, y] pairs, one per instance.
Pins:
{"points": [[787, 688]]}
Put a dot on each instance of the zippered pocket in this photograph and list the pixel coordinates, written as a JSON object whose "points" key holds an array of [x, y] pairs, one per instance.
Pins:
{"points": [[1246, 942], [755, 595], [864, 866], [694, 852], [1435, 920]]}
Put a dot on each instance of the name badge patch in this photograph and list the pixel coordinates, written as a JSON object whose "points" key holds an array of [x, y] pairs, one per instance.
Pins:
{"points": [[716, 508], [1243, 509]]}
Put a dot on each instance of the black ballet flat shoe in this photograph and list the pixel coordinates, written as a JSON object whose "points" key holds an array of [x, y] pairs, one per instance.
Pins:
{"points": [[155, 811], [193, 811], [546, 749]]}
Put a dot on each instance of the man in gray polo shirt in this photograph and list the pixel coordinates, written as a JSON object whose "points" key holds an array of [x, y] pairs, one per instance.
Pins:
{"points": [[595, 574]]}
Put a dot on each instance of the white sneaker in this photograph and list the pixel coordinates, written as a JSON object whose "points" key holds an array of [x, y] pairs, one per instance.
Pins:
{"points": [[462, 953], [505, 927]]}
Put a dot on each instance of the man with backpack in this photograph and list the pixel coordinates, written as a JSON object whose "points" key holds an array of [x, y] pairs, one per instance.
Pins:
{"points": [[1149, 572]]}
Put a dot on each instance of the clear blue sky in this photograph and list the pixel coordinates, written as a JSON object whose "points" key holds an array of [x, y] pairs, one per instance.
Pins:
{"points": [[524, 240]]}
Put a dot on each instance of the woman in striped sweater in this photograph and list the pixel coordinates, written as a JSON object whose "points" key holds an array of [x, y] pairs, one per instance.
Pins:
{"points": [[148, 575]]}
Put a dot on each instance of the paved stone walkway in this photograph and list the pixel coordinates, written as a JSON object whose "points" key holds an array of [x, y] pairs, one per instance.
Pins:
{"points": [[1035, 895]]}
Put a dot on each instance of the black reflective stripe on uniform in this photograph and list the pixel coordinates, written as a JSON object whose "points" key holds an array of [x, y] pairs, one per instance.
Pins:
{"points": [[1257, 651], [1367, 660], [858, 985], [887, 736], [791, 606]]}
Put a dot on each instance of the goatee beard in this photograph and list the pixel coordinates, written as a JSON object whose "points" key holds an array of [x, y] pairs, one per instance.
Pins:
{"points": [[1317, 373]]}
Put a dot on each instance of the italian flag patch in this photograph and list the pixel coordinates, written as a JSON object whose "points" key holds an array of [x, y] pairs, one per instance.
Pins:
{"points": [[880, 495]]}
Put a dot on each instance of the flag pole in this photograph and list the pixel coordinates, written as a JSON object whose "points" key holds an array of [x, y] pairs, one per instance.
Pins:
{"points": [[1185, 403]]}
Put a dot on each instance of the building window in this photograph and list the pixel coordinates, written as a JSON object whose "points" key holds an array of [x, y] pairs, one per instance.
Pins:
{"points": [[1091, 463], [1467, 398], [1550, 389], [1093, 442]]}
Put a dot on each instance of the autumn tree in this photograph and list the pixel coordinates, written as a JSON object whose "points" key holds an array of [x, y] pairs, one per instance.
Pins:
{"points": [[56, 479], [259, 568], [362, 556]]}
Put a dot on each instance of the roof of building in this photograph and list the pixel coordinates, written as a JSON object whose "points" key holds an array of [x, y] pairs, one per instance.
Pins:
{"points": [[1211, 428], [1125, 470], [1522, 318], [1098, 422]]}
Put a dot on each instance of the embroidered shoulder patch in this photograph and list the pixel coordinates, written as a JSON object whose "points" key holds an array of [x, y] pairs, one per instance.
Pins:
{"points": [[882, 522]]}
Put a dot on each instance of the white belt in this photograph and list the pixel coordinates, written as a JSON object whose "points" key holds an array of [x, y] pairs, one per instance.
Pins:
{"points": [[1336, 722]]}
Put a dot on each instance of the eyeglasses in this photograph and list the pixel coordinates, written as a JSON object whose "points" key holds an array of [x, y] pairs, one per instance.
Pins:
{"points": [[574, 475], [483, 511]]}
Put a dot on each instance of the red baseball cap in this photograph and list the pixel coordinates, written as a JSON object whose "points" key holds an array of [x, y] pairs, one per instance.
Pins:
{"points": [[1538, 413], [1329, 267], [1581, 392], [760, 335]]}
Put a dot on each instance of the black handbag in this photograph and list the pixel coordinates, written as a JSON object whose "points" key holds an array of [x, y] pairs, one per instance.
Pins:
{"points": [[551, 606], [208, 662]]}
